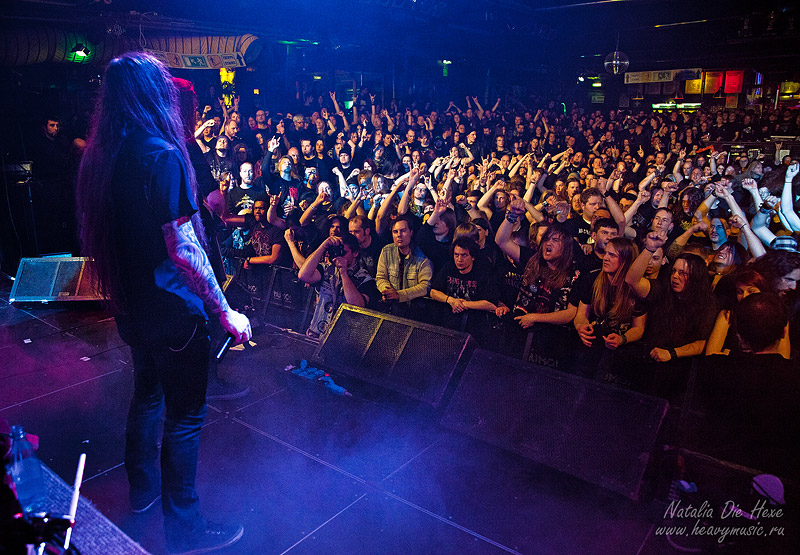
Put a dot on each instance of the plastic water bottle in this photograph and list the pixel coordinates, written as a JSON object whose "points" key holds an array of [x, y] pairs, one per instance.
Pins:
{"points": [[26, 470]]}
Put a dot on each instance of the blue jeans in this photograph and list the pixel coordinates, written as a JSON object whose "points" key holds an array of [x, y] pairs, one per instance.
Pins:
{"points": [[170, 361]]}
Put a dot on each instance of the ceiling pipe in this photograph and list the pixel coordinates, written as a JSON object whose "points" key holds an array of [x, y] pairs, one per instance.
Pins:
{"points": [[23, 47]]}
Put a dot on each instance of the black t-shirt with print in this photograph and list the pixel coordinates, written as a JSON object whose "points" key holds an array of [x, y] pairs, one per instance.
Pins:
{"points": [[476, 285]]}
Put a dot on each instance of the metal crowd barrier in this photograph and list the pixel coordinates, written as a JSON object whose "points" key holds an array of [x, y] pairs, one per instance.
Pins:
{"points": [[275, 295]]}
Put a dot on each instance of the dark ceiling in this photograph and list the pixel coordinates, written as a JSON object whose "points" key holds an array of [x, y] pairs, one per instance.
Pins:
{"points": [[524, 34]]}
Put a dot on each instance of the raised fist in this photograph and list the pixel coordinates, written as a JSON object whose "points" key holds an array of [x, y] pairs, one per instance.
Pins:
{"points": [[750, 184], [654, 240], [737, 222]]}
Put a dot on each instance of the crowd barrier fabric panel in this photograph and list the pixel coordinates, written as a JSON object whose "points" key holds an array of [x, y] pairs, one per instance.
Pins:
{"points": [[415, 359], [58, 278], [597, 432], [276, 294]]}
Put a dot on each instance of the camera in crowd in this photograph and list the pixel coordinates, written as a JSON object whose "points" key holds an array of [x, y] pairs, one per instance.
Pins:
{"points": [[335, 251], [599, 330]]}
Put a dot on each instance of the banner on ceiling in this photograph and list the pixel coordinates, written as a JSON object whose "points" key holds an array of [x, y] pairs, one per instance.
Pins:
{"points": [[199, 61], [632, 77]]}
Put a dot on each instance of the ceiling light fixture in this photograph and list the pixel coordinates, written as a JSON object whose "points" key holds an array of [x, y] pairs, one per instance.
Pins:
{"points": [[617, 62], [80, 50]]}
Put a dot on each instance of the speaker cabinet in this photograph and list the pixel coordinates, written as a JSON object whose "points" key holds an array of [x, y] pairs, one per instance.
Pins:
{"points": [[57, 278], [597, 432], [415, 359]]}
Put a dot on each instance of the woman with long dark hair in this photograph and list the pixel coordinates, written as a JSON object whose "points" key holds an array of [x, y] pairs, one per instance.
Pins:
{"points": [[542, 304], [689, 200], [681, 315], [138, 214]]}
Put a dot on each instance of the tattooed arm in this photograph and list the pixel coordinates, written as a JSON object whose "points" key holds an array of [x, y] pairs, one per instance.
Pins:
{"points": [[191, 260]]}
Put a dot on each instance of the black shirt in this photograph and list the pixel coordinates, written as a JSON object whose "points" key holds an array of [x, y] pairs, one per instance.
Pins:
{"points": [[475, 285], [579, 228], [150, 188], [368, 257]]}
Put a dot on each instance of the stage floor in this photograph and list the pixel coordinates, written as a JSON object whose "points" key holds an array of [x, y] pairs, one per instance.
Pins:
{"points": [[304, 470]]}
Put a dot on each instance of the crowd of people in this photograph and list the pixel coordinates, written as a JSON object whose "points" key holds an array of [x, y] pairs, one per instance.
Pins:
{"points": [[615, 245], [619, 246]]}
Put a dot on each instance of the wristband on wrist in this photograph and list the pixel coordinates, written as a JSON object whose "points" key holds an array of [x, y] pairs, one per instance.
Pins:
{"points": [[648, 250], [672, 354], [764, 209], [512, 217], [447, 299], [624, 339]]}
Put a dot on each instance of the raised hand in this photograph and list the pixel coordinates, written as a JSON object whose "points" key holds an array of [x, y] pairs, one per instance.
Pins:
{"points": [[440, 207], [322, 197], [770, 202], [737, 222], [517, 206], [669, 186], [273, 144], [749, 184], [792, 170], [720, 190], [655, 240]]}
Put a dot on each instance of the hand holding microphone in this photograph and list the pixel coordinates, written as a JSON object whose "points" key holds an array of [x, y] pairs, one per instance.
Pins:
{"points": [[238, 327]]}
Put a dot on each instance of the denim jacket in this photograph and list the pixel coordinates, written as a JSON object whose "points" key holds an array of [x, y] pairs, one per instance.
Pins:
{"points": [[417, 273]]}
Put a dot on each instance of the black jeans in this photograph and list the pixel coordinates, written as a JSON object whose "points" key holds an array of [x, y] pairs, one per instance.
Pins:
{"points": [[170, 361]]}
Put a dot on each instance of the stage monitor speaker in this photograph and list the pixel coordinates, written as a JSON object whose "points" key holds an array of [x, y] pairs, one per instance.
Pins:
{"points": [[600, 433], [57, 278], [415, 359]]}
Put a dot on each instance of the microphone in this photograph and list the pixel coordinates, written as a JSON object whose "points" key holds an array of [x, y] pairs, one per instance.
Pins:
{"points": [[223, 347]]}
